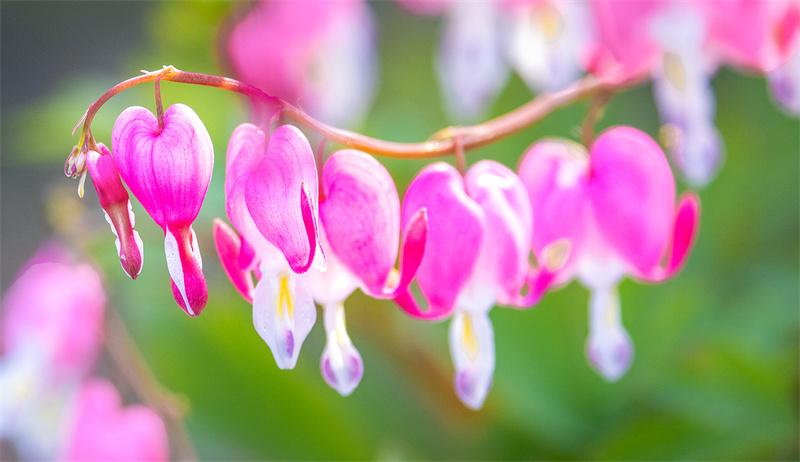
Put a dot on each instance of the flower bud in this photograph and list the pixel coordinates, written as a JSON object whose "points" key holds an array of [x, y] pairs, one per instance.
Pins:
{"points": [[117, 207]]}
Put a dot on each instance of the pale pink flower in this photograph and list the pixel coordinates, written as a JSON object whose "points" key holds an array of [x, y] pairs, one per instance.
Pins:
{"points": [[319, 54], [360, 216], [476, 255], [614, 209], [52, 330], [271, 191], [101, 429]]}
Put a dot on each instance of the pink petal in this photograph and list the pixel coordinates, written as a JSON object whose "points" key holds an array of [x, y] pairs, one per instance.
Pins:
{"points": [[167, 169], [101, 429], [41, 307], [455, 230], [229, 247], [633, 195], [361, 215], [415, 237], [683, 235], [555, 174], [508, 227], [186, 269], [624, 47], [281, 196], [117, 206]]}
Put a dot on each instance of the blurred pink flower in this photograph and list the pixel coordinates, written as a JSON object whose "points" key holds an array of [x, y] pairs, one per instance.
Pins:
{"points": [[271, 192], [40, 310], [52, 330], [681, 44], [101, 429], [117, 209], [360, 216], [168, 168], [319, 54], [549, 41], [615, 211], [476, 255]]}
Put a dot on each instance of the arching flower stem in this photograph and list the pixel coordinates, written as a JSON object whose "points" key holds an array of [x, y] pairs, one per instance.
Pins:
{"points": [[441, 144]]}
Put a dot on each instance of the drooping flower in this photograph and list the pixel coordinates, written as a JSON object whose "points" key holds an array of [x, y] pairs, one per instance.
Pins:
{"points": [[683, 93], [117, 209], [51, 335], [168, 168], [681, 44], [471, 62], [319, 54], [360, 216], [271, 192], [549, 41], [476, 255], [616, 210], [102, 429]]}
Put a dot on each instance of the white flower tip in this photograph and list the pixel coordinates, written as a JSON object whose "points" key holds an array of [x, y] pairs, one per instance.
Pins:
{"points": [[611, 356], [472, 388]]}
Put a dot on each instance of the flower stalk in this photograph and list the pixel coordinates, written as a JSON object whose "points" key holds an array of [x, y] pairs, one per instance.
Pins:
{"points": [[442, 144]]}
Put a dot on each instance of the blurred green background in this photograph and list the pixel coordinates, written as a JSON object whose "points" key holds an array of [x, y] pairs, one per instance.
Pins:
{"points": [[716, 368]]}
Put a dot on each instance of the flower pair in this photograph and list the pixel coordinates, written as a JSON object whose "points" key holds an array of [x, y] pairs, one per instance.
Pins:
{"points": [[304, 244], [167, 165]]}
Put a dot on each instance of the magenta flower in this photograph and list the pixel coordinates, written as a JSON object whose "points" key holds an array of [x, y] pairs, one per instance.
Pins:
{"points": [[117, 209], [102, 429], [168, 168], [360, 216], [319, 54], [271, 198], [615, 210], [476, 255], [51, 335]]}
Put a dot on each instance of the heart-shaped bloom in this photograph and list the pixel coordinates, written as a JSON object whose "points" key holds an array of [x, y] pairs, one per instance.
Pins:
{"points": [[319, 54], [476, 254], [271, 191], [168, 168], [117, 208], [102, 429], [52, 331], [360, 216], [615, 208]]}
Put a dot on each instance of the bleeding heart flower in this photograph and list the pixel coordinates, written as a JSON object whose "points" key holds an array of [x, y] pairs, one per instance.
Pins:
{"points": [[117, 207], [616, 210], [471, 62], [549, 41], [52, 331], [168, 168], [360, 215], [271, 192], [101, 429], [476, 254], [319, 54]]}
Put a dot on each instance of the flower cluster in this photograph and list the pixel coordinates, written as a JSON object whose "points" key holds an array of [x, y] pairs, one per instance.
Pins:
{"points": [[50, 407], [308, 228], [679, 44], [307, 232]]}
